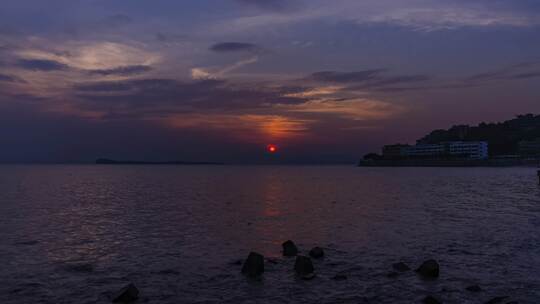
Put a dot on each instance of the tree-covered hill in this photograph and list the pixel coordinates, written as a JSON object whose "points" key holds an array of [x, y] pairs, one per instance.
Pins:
{"points": [[503, 137]]}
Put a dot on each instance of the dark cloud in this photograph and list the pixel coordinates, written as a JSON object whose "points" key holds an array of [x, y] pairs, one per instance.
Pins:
{"points": [[4, 47], [229, 47], [171, 96], [518, 71], [527, 75], [375, 79], [401, 79], [123, 70], [41, 65], [117, 20], [521, 5], [108, 86], [274, 5], [345, 77], [170, 38], [10, 78]]}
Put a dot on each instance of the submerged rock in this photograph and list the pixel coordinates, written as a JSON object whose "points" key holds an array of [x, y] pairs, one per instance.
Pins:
{"points": [[401, 267], [474, 288], [253, 265], [316, 253], [289, 248], [429, 269], [127, 294], [303, 266], [431, 300]]}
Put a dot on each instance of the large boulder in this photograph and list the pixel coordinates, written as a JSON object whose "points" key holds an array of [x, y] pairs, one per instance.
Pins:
{"points": [[316, 253], [127, 294], [429, 269], [303, 266], [289, 249], [253, 265]]}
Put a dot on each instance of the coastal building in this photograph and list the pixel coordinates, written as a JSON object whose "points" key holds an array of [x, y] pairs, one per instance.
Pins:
{"points": [[454, 149], [394, 151], [468, 149], [529, 148], [426, 150]]}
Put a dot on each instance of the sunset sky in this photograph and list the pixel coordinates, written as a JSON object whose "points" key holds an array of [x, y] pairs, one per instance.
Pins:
{"points": [[220, 80]]}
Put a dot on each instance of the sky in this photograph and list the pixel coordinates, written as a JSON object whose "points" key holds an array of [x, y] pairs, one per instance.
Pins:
{"points": [[219, 80]]}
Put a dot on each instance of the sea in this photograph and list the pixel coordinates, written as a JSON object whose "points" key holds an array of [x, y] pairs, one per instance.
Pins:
{"points": [[79, 233]]}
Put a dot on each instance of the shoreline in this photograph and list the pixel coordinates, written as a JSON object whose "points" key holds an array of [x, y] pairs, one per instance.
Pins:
{"points": [[450, 163]]}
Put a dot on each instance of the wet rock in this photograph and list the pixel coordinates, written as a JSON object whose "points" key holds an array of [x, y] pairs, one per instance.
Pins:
{"points": [[431, 300], [339, 277], [127, 294], [474, 288], [253, 265], [316, 253], [289, 249], [497, 300], [429, 269], [401, 267], [303, 266]]}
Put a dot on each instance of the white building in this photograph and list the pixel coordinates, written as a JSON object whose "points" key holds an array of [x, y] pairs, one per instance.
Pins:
{"points": [[454, 149], [424, 150], [469, 149]]}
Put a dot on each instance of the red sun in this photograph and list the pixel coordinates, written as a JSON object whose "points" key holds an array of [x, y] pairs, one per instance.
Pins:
{"points": [[272, 148]]}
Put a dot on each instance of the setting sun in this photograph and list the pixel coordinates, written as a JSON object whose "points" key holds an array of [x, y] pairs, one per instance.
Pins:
{"points": [[271, 148]]}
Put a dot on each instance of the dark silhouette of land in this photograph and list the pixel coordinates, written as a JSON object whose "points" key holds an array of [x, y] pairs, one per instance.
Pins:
{"points": [[505, 138], [105, 161], [514, 142]]}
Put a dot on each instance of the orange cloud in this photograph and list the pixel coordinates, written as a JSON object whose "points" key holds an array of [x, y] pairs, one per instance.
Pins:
{"points": [[249, 127]]}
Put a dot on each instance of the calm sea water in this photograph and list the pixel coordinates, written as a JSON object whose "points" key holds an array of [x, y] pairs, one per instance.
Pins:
{"points": [[74, 234]]}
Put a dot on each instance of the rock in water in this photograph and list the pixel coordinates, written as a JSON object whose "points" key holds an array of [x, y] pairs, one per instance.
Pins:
{"points": [[429, 269], [303, 266], [253, 265], [316, 253], [289, 248], [401, 267], [431, 300], [127, 294]]}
